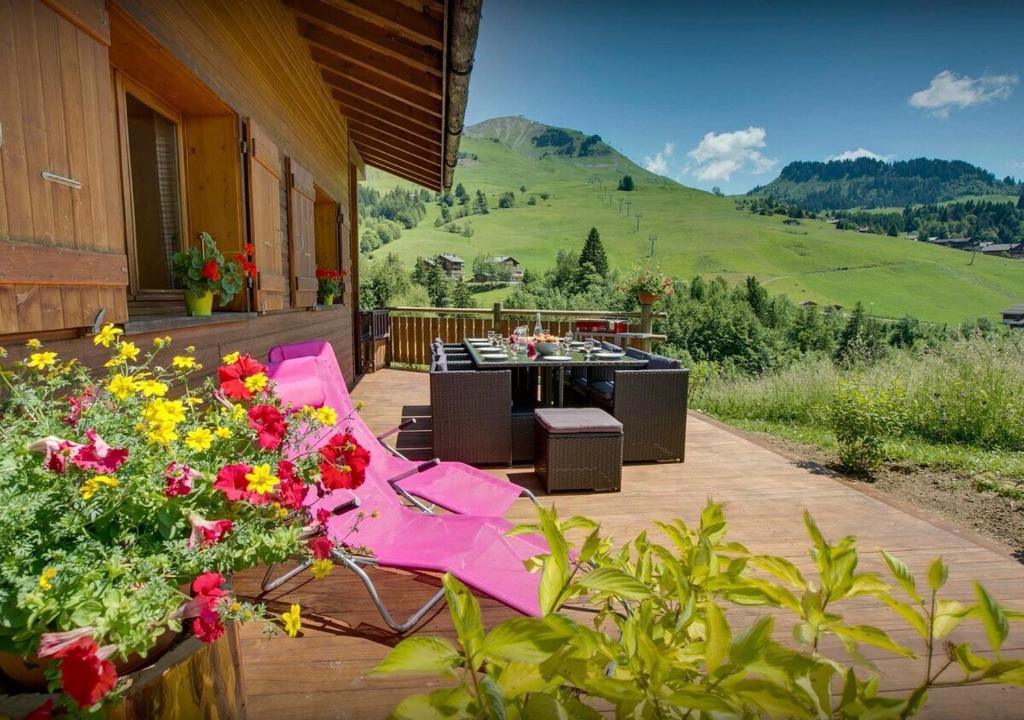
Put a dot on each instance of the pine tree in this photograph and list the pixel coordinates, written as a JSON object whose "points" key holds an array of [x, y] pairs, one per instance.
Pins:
{"points": [[461, 296], [480, 206], [1020, 201], [626, 183], [594, 254], [460, 193]]}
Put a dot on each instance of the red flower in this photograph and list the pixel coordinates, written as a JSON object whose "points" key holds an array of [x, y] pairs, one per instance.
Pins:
{"points": [[179, 479], [249, 248], [248, 267], [291, 491], [85, 676], [207, 586], [321, 547], [43, 712], [207, 625], [337, 478], [57, 452], [231, 481], [99, 456], [232, 377], [269, 425], [77, 404], [207, 532], [344, 463], [210, 270]]}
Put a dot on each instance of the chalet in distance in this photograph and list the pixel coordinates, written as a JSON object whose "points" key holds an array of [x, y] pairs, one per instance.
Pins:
{"points": [[130, 126], [451, 264], [1013, 316]]}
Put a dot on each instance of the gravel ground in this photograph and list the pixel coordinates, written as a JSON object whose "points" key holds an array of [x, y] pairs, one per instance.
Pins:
{"points": [[950, 495]]}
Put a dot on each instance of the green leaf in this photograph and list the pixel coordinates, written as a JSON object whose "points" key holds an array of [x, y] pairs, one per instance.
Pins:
{"points": [[437, 705], [492, 698], [695, 697], [997, 627], [518, 679], [420, 654], [1009, 672], [948, 614], [774, 700], [615, 582], [871, 636], [903, 576], [781, 568], [938, 573], [967, 660], [465, 612], [524, 640], [751, 644], [552, 582], [716, 645], [544, 707], [908, 613]]}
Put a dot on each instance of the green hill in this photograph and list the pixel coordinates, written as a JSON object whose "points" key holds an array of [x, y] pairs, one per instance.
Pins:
{"points": [[695, 232], [869, 183]]}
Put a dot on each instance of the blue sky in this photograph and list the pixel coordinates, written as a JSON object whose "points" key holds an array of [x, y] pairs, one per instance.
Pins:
{"points": [[771, 82]]}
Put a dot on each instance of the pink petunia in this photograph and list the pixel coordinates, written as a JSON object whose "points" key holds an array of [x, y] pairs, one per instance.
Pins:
{"points": [[178, 479], [207, 532], [98, 456]]}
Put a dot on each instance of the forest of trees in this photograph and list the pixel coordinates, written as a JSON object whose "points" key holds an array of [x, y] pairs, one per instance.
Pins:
{"points": [[870, 183], [984, 221], [382, 217]]}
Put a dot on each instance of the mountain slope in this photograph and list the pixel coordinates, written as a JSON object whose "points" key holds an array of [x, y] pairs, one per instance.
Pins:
{"points": [[695, 232], [869, 183]]}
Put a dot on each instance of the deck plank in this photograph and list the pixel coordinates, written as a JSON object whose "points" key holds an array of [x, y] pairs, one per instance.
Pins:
{"points": [[323, 673]]}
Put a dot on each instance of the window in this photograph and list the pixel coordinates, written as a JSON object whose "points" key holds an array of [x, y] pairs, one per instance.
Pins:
{"points": [[154, 186]]}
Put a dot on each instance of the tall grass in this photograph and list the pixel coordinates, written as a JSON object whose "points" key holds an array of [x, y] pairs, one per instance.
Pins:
{"points": [[964, 393]]}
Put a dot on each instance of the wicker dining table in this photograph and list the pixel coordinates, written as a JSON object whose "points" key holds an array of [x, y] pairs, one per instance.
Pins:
{"points": [[551, 370]]}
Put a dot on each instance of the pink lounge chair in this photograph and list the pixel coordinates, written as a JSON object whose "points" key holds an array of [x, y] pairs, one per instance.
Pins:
{"points": [[307, 373]]}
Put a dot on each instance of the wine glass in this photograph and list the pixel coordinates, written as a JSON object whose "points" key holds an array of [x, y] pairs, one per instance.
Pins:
{"points": [[588, 347]]}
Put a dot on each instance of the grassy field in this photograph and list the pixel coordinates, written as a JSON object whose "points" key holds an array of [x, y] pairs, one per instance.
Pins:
{"points": [[697, 232]]}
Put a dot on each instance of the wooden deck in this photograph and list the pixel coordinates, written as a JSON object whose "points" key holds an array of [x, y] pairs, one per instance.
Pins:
{"points": [[321, 674]]}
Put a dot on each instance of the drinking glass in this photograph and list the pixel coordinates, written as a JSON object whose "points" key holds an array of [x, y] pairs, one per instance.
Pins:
{"points": [[588, 346]]}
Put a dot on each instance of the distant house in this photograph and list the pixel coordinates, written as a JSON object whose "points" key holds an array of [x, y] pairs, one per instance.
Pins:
{"points": [[1004, 249], [808, 304], [1013, 316], [451, 264], [507, 261]]}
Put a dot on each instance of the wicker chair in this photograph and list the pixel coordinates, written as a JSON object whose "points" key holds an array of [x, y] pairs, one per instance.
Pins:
{"points": [[472, 416], [651, 405]]}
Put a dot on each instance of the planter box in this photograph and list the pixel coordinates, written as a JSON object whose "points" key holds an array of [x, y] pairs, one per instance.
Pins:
{"points": [[192, 680]]}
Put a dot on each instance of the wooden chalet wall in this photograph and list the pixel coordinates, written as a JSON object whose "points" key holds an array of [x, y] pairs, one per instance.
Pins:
{"points": [[63, 251]]}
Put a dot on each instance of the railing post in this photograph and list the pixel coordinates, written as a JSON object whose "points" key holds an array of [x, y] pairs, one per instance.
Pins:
{"points": [[646, 318], [497, 317]]}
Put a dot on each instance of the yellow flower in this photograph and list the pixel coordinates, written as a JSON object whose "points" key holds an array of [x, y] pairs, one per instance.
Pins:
{"points": [[231, 358], [121, 386], [326, 415], [162, 434], [193, 401], [183, 362], [261, 480], [93, 484], [237, 412], [128, 351], [41, 360], [321, 568], [190, 349], [33, 344], [48, 574], [223, 433], [255, 382], [292, 620], [247, 614], [236, 606], [107, 335], [3, 352], [309, 411], [199, 439], [282, 512], [153, 388], [161, 342]]}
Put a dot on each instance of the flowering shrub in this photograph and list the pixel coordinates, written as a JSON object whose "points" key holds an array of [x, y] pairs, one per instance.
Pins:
{"points": [[664, 645], [648, 281], [204, 269], [124, 505], [329, 281]]}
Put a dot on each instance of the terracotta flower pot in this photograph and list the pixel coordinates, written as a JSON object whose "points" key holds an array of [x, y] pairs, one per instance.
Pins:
{"points": [[199, 305], [646, 298], [29, 673]]}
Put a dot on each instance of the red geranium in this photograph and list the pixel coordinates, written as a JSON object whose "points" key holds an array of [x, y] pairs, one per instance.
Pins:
{"points": [[231, 481], [248, 267], [269, 425], [321, 547], [207, 532], [232, 377], [210, 270], [85, 673], [249, 248], [291, 491]]}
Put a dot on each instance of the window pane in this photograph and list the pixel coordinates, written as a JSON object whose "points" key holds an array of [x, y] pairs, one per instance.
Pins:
{"points": [[153, 154]]}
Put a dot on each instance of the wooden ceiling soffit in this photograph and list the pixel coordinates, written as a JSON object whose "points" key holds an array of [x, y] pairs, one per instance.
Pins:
{"points": [[422, 177], [391, 147]]}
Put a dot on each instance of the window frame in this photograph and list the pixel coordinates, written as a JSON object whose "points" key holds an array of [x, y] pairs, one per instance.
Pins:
{"points": [[123, 85]]}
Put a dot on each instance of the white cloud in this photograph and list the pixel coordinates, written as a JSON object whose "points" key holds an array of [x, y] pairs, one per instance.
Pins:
{"points": [[659, 163], [949, 90], [719, 155], [860, 153]]}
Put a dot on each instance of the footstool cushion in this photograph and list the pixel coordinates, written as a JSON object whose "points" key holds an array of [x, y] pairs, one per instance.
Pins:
{"points": [[578, 449]]}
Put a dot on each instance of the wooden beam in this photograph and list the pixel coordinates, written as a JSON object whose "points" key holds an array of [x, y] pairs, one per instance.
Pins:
{"points": [[23, 264], [346, 51], [389, 146], [419, 27], [411, 134], [408, 91], [418, 146], [372, 35], [358, 87], [464, 25], [427, 167], [397, 168], [393, 110]]}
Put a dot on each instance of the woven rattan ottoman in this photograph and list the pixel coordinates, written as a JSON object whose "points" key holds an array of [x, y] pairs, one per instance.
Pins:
{"points": [[578, 449]]}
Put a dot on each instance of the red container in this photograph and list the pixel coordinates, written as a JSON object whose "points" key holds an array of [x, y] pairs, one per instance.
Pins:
{"points": [[593, 325], [619, 326]]}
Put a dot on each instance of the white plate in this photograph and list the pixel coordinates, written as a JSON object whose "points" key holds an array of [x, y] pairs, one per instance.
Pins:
{"points": [[494, 352], [607, 354], [476, 340], [553, 357]]}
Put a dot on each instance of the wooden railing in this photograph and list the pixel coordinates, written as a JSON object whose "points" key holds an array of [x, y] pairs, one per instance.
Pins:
{"points": [[413, 328]]}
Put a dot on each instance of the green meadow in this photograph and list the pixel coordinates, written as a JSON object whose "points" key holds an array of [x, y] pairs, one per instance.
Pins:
{"points": [[699, 233]]}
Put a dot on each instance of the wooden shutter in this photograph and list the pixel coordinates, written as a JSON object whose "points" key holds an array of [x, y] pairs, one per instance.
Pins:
{"points": [[301, 235], [265, 219], [62, 253]]}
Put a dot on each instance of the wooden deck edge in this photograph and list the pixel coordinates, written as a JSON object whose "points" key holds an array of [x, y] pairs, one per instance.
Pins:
{"points": [[872, 492]]}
